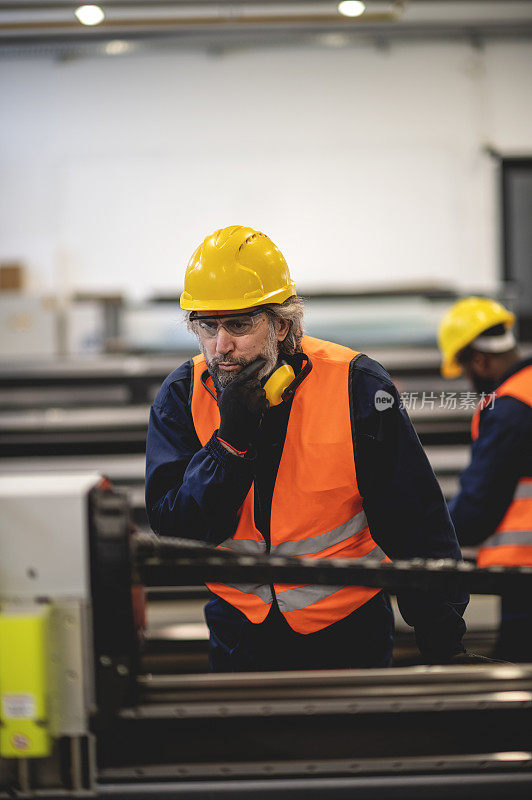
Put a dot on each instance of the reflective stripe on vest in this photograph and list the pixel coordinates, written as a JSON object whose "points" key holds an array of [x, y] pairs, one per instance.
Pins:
{"points": [[524, 490], [511, 544], [299, 597], [509, 537], [316, 507], [304, 547], [315, 544], [262, 590]]}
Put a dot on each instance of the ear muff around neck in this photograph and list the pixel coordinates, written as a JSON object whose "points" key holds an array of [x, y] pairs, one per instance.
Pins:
{"points": [[278, 382]]}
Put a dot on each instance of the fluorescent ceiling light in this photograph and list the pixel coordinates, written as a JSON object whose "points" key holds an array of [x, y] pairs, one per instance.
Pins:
{"points": [[89, 15], [351, 8]]}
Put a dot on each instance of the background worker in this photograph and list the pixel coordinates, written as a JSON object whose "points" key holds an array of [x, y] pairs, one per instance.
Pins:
{"points": [[319, 470], [494, 505]]}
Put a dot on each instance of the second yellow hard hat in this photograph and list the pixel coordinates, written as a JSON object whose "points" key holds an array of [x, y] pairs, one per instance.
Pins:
{"points": [[235, 268], [462, 323]]}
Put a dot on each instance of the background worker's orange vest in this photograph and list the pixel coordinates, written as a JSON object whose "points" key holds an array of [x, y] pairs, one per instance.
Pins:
{"points": [[316, 506], [511, 544]]}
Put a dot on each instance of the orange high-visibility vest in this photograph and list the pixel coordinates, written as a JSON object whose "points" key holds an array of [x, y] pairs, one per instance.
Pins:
{"points": [[511, 544], [316, 507]]}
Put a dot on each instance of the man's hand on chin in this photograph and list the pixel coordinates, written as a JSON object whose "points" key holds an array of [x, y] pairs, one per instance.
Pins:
{"points": [[242, 404]]}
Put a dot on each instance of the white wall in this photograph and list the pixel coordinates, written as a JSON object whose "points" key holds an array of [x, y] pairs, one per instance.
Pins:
{"points": [[365, 166]]}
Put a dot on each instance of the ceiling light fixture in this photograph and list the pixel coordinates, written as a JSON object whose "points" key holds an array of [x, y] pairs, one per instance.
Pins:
{"points": [[351, 8], [89, 15]]}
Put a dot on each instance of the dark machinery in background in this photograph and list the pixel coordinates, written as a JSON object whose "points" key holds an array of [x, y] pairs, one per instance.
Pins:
{"points": [[93, 414], [82, 715]]}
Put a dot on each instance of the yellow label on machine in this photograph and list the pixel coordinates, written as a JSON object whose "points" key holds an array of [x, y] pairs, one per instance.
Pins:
{"points": [[23, 681]]}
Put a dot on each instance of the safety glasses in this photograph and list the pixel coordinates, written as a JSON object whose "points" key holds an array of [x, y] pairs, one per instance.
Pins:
{"points": [[235, 324]]}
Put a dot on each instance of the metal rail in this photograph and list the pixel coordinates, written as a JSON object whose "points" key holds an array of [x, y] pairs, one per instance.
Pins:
{"points": [[460, 786], [485, 762], [163, 561], [375, 691]]}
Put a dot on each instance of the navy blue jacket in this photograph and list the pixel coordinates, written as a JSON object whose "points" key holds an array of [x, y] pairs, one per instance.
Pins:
{"points": [[195, 492], [500, 456]]}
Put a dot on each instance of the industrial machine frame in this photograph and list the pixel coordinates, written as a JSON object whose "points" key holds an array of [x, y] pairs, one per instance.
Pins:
{"points": [[80, 718]]}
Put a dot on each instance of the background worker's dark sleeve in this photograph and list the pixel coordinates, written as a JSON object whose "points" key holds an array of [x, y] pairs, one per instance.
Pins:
{"points": [[497, 462], [191, 491], [405, 508]]}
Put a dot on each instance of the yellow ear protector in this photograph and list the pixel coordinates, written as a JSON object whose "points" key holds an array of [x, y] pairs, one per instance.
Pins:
{"points": [[278, 382]]}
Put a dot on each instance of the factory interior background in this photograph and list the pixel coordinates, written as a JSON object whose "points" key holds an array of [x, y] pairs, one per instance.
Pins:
{"points": [[388, 156]]}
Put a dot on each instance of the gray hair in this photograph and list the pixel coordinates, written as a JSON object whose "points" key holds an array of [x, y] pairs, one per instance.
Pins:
{"points": [[291, 311]]}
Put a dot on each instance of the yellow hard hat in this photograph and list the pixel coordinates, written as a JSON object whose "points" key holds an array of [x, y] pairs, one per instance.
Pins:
{"points": [[462, 323], [235, 268]]}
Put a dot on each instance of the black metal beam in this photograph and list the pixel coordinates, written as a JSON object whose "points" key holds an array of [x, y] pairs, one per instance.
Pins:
{"points": [[180, 562]]}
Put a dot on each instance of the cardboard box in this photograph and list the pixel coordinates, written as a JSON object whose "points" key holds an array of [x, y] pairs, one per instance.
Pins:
{"points": [[12, 277]]}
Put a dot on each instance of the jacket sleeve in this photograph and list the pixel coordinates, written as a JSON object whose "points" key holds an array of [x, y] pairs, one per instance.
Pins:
{"points": [[191, 491], [488, 484], [405, 508]]}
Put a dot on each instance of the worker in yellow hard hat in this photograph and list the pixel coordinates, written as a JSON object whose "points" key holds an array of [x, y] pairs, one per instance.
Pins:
{"points": [[271, 441], [494, 506], [466, 322]]}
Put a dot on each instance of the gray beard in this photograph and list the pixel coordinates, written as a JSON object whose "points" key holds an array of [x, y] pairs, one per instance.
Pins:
{"points": [[222, 379]]}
